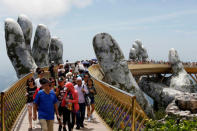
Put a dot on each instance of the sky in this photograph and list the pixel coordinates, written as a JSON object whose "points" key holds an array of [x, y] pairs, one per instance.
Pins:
{"points": [[159, 24]]}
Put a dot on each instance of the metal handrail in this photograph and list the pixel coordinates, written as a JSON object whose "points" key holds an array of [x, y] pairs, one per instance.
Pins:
{"points": [[12, 101], [118, 108]]}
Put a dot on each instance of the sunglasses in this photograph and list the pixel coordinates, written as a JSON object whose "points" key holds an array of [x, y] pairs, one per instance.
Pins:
{"points": [[30, 81]]}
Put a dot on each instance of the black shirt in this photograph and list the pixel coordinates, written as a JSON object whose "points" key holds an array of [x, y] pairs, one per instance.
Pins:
{"points": [[91, 94], [30, 92], [61, 93]]}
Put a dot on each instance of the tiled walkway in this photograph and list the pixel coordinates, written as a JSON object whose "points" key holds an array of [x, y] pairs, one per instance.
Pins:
{"points": [[95, 125]]}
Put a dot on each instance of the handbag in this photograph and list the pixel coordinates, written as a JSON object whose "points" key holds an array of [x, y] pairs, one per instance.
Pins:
{"points": [[87, 98]]}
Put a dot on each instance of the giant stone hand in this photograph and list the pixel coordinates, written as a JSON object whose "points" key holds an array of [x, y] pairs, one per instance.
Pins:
{"points": [[138, 52], [18, 43], [115, 68], [180, 79]]}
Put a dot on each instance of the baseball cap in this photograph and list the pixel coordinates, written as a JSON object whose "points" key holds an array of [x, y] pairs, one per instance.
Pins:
{"points": [[61, 78], [44, 81], [41, 72]]}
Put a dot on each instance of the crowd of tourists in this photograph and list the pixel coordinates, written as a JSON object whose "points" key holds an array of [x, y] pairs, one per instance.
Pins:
{"points": [[189, 64], [66, 95]]}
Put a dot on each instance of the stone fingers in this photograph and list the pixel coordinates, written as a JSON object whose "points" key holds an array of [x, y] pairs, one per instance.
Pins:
{"points": [[17, 50], [56, 51], [27, 28], [41, 44]]}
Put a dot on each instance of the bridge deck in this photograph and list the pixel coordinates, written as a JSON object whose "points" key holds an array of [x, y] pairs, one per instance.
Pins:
{"points": [[96, 125], [140, 69]]}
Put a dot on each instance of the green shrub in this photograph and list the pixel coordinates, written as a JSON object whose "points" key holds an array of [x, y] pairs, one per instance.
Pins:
{"points": [[171, 124], [160, 114]]}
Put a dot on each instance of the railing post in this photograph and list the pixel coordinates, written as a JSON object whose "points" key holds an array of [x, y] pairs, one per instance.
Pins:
{"points": [[2, 112], [133, 113]]}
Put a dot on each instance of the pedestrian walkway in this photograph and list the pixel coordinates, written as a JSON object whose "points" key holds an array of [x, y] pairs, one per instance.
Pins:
{"points": [[96, 125]]}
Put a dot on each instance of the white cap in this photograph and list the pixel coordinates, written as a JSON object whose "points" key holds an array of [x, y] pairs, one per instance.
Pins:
{"points": [[79, 78], [69, 74]]}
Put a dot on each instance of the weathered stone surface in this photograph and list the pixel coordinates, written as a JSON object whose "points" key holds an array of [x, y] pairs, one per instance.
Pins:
{"points": [[138, 52], [114, 65], [184, 105], [133, 54], [40, 50], [187, 102], [56, 51], [180, 79], [16, 49], [159, 92], [27, 29]]}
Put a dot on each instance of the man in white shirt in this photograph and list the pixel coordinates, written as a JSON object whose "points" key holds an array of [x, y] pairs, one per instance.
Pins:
{"points": [[82, 90], [40, 76]]}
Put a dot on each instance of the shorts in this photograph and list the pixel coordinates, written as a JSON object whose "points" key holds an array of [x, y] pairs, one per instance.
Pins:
{"points": [[91, 100], [30, 104]]}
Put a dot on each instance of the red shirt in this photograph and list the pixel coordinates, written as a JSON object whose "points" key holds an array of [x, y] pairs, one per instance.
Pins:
{"points": [[34, 96]]}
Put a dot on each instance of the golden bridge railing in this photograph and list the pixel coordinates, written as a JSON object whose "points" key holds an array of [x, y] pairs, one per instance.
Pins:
{"points": [[117, 108], [13, 101]]}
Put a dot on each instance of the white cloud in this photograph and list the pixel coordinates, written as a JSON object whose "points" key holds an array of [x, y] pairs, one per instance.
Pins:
{"points": [[137, 24], [81, 3], [155, 19], [40, 8]]}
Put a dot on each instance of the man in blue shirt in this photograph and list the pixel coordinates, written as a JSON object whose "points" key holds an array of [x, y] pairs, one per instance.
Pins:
{"points": [[46, 104]]}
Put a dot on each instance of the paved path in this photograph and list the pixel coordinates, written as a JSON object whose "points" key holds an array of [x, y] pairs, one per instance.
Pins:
{"points": [[96, 125]]}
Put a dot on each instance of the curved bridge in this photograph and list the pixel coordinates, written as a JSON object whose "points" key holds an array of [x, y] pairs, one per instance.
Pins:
{"points": [[150, 69], [117, 108]]}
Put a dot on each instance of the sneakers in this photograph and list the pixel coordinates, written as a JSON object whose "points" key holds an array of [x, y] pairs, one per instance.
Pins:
{"points": [[78, 127], [89, 119], [82, 126], [64, 129], [60, 128]]}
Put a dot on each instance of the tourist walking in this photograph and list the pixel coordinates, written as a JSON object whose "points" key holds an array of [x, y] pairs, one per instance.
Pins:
{"points": [[60, 92], [61, 71], [46, 104], [91, 94], [85, 79], [40, 76], [36, 72], [52, 83], [74, 80], [82, 90], [30, 88], [71, 106], [52, 69]]}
